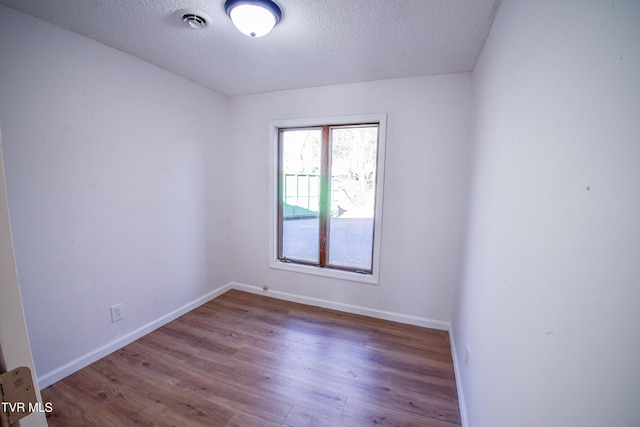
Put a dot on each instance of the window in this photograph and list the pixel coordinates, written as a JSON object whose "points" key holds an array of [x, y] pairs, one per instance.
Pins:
{"points": [[328, 196]]}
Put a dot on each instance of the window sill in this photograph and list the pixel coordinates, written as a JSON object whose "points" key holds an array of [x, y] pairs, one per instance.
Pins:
{"points": [[325, 272]]}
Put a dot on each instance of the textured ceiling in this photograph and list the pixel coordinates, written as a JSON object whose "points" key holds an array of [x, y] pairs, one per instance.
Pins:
{"points": [[317, 42]]}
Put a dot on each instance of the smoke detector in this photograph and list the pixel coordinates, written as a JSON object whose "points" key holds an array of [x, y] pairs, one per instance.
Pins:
{"points": [[194, 19]]}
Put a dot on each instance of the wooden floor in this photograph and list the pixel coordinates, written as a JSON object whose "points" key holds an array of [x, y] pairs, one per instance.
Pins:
{"points": [[249, 360]]}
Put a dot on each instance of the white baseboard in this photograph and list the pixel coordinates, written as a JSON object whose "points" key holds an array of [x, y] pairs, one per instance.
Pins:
{"points": [[456, 370], [88, 358], [371, 312]]}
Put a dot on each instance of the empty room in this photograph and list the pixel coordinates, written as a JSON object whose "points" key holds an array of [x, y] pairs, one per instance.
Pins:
{"points": [[363, 212]]}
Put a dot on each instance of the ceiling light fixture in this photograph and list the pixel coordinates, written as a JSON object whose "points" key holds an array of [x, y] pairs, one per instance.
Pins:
{"points": [[254, 18]]}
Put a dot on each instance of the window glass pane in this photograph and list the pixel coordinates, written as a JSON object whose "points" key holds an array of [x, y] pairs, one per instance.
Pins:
{"points": [[300, 194], [353, 192]]}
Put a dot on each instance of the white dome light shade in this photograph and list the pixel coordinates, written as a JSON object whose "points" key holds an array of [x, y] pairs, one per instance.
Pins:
{"points": [[255, 18], [251, 20]]}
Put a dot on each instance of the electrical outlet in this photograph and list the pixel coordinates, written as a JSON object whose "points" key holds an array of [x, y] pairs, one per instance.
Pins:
{"points": [[466, 356], [117, 313]]}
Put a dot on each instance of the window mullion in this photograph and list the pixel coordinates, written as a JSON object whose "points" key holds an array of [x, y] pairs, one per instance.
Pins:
{"points": [[324, 196]]}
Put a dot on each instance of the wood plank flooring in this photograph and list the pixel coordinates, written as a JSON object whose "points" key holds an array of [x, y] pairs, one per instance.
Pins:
{"points": [[244, 360]]}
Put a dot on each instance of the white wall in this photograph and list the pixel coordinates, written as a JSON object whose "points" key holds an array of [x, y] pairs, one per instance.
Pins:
{"points": [[117, 185], [550, 296], [427, 155]]}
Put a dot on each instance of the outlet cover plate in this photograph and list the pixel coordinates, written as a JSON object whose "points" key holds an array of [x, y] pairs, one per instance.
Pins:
{"points": [[117, 313]]}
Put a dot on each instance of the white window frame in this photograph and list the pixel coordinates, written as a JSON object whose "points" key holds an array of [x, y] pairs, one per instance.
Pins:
{"points": [[274, 262]]}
